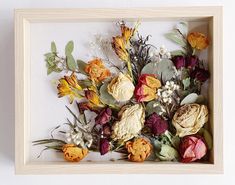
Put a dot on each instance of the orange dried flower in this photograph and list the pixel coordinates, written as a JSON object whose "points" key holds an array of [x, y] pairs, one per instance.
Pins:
{"points": [[198, 40], [68, 86], [119, 47], [73, 153], [138, 150], [96, 70]]}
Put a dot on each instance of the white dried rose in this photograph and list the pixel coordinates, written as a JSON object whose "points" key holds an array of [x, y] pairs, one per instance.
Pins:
{"points": [[130, 124], [121, 88], [189, 119]]}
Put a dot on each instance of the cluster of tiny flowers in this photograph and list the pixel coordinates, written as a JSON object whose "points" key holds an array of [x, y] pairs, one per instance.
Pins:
{"points": [[166, 92], [77, 137], [160, 53]]}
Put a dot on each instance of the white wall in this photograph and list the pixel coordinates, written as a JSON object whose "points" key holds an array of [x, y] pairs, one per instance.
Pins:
{"points": [[7, 176]]}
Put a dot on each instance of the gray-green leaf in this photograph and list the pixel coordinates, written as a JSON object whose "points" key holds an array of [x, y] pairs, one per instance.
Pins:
{"points": [[105, 97], [163, 69], [191, 98], [183, 28], [71, 62], [69, 48], [81, 66], [178, 53], [176, 37], [186, 82], [53, 47]]}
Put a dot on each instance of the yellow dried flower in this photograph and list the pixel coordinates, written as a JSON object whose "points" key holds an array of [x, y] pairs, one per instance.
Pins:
{"points": [[119, 46], [68, 86], [93, 97], [73, 153], [198, 40], [138, 150]]}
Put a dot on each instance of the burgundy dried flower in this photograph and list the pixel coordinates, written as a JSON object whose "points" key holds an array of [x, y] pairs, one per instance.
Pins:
{"points": [[104, 146], [179, 61], [191, 61], [106, 130], [192, 148], [104, 116], [200, 74], [157, 125]]}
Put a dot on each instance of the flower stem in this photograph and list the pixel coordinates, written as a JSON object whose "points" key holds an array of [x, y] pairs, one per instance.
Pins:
{"points": [[130, 69]]}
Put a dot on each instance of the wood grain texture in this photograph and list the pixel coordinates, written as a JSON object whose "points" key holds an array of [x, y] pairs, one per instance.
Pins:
{"points": [[23, 19]]}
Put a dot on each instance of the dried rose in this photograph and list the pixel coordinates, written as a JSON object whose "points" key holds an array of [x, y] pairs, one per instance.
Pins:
{"points": [[107, 130], [130, 124], [198, 40], [191, 61], [200, 74], [138, 150], [179, 61], [189, 118], [121, 88], [73, 153], [93, 98], [192, 148], [104, 146], [104, 116], [68, 86], [146, 88], [157, 125], [96, 70]]}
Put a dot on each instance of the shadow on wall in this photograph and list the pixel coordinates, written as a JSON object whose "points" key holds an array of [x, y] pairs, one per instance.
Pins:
{"points": [[7, 105]]}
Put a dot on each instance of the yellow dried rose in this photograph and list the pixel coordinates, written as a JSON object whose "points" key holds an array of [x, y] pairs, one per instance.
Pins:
{"points": [[73, 153], [130, 123], [68, 86], [96, 70], [138, 150], [198, 40], [121, 88], [189, 119]]}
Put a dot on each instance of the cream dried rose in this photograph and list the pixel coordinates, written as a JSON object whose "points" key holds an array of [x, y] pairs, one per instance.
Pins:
{"points": [[130, 124], [121, 88], [189, 118]]}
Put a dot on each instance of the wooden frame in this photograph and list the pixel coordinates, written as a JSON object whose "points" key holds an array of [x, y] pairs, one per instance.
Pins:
{"points": [[23, 18]]}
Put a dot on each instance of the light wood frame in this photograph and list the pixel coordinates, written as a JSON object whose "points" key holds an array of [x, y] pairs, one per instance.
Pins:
{"points": [[23, 19]]}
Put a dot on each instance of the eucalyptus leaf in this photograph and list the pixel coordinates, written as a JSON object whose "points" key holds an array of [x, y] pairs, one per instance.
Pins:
{"points": [[69, 48], [53, 47], [163, 69], [71, 62], [183, 28], [186, 82], [153, 106], [105, 97], [176, 37], [191, 98], [81, 66], [167, 153]]}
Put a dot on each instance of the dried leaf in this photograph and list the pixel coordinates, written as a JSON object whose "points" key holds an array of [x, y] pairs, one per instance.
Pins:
{"points": [[105, 97], [183, 28], [176, 37], [71, 62], [81, 66], [53, 47], [69, 48], [163, 69], [191, 98], [186, 82]]}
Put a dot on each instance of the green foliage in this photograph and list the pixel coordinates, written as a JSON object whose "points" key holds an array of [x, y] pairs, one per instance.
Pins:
{"points": [[69, 48], [105, 97], [81, 66]]}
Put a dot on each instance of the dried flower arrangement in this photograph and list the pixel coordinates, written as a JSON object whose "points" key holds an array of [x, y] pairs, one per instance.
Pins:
{"points": [[149, 108]]}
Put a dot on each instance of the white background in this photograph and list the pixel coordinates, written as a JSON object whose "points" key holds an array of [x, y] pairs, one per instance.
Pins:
{"points": [[7, 176]]}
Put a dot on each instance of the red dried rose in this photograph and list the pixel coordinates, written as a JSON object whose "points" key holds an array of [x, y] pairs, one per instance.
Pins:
{"points": [[192, 148], [179, 61], [104, 116], [200, 74], [157, 125], [104, 146], [191, 61]]}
